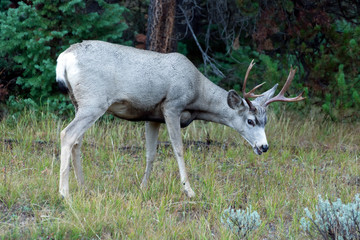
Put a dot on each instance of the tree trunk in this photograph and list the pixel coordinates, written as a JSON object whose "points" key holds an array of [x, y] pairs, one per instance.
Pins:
{"points": [[161, 26]]}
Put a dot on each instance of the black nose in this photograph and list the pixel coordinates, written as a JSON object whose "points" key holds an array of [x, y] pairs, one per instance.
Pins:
{"points": [[264, 148]]}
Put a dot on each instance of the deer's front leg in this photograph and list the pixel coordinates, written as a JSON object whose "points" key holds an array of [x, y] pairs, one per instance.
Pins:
{"points": [[151, 135], [173, 125]]}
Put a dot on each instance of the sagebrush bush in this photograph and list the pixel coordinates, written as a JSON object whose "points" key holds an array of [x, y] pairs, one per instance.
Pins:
{"points": [[334, 220], [241, 222]]}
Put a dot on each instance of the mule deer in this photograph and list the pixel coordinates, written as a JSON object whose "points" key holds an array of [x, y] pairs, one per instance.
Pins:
{"points": [[140, 85]]}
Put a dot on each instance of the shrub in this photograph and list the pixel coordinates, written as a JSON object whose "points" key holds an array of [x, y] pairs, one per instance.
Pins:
{"points": [[241, 222], [334, 220], [33, 35]]}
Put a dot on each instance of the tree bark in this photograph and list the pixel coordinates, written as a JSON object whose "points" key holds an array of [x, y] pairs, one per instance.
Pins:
{"points": [[161, 26]]}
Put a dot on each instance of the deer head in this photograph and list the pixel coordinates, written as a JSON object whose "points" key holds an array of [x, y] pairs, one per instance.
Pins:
{"points": [[252, 114]]}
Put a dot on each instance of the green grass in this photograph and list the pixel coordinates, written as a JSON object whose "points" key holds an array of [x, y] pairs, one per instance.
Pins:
{"points": [[307, 157]]}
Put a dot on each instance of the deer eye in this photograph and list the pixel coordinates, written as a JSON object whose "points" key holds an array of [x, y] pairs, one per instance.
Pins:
{"points": [[251, 122]]}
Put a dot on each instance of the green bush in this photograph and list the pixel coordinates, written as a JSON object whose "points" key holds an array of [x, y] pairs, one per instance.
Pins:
{"points": [[336, 73], [32, 36]]}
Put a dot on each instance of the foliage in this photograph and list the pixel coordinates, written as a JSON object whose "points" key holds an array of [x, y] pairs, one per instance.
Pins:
{"points": [[241, 222], [4, 5], [60, 106], [33, 35], [334, 220], [326, 47], [339, 66], [321, 38]]}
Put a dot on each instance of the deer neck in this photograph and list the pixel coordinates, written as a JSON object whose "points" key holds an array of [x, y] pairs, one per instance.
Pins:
{"points": [[212, 104]]}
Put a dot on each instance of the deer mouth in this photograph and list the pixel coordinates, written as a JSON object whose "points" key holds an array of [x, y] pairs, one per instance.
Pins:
{"points": [[257, 150]]}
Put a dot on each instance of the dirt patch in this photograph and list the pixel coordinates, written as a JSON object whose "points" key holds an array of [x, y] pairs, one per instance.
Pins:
{"points": [[16, 215]]}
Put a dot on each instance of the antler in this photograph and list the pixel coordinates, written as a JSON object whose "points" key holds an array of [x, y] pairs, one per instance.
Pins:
{"points": [[250, 94], [280, 97]]}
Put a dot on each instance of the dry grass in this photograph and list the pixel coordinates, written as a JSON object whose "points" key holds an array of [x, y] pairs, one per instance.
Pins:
{"points": [[307, 157]]}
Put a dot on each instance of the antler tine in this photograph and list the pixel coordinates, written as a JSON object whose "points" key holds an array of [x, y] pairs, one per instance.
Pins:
{"points": [[251, 92], [280, 97], [288, 81], [246, 76]]}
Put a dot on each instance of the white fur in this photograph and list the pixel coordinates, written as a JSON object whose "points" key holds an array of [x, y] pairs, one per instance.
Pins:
{"points": [[66, 64]]}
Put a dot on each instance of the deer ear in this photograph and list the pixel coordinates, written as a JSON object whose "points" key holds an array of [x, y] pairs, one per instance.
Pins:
{"points": [[234, 100], [265, 96]]}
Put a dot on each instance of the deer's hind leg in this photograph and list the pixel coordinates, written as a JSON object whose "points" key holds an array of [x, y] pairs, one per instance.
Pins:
{"points": [[151, 135], [76, 160], [71, 136]]}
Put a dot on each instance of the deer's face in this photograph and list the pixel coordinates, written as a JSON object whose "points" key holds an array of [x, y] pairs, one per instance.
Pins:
{"points": [[249, 117], [251, 126], [253, 130], [250, 122]]}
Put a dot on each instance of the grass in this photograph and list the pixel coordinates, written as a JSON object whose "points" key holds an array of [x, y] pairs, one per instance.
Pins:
{"points": [[307, 157]]}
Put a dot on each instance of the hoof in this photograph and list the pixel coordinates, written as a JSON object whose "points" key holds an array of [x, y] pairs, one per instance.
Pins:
{"points": [[190, 193], [143, 185], [64, 195]]}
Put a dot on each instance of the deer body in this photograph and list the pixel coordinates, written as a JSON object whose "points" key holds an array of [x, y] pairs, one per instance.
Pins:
{"points": [[139, 85]]}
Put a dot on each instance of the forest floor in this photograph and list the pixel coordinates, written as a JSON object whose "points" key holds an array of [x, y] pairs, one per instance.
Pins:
{"points": [[308, 157]]}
